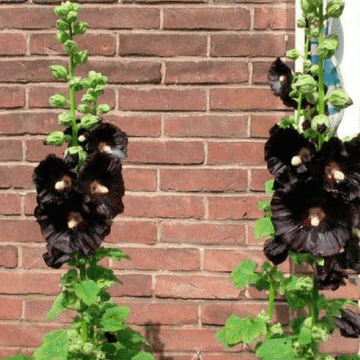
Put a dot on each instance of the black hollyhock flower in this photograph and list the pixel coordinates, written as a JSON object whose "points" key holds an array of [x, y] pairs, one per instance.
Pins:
{"points": [[101, 182], [107, 138], [276, 251], [339, 168], [280, 78], [310, 219], [54, 181], [68, 228], [111, 338], [331, 275], [287, 154], [349, 324], [351, 255]]}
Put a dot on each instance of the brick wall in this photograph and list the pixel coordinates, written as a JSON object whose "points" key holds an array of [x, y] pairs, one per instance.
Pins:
{"points": [[187, 82]]}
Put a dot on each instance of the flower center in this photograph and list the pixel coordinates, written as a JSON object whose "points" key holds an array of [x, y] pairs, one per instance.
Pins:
{"points": [[81, 138], [303, 155], [333, 172], [74, 219], [103, 147], [315, 216], [97, 188], [63, 184], [282, 78]]}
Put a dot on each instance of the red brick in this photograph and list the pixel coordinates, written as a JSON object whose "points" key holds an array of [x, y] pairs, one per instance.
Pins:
{"points": [[139, 179], [350, 291], [16, 176], [121, 17], [229, 126], [37, 151], [8, 257], [160, 259], [39, 96], [248, 153], [224, 180], [32, 257], [132, 285], [12, 97], [260, 124], [195, 287], [10, 308], [162, 99], [227, 260], [207, 18], [274, 18], [34, 17], [338, 344], [125, 72], [242, 356], [19, 123], [147, 125], [12, 44], [205, 72], [29, 283], [30, 203], [203, 233], [164, 313], [23, 334], [166, 152], [258, 178], [137, 232], [217, 313], [269, 45], [163, 44], [10, 150], [234, 208], [5, 353], [96, 44], [249, 98], [10, 204], [164, 206], [260, 71], [20, 231]]}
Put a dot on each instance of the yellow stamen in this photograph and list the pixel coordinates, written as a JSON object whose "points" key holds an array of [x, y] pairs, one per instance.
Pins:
{"points": [[63, 184], [97, 188], [296, 160], [81, 138], [74, 219]]}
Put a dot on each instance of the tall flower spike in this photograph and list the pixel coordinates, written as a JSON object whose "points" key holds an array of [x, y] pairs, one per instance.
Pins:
{"points": [[101, 182], [310, 219], [54, 181], [68, 228], [107, 139]]}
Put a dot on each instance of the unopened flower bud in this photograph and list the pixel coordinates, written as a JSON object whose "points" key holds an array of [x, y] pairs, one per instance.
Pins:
{"points": [[56, 138], [58, 71], [58, 100], [335, 8]]}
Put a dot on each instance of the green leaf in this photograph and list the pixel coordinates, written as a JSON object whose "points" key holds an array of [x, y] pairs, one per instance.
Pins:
{"points": [[263, 205], [348, 357], [56, 138], [263, 227], [58, 71], [18, 357], [244, 274], [276, 349], [305, 336], [87, 291], [269, 187], [55, 347], [221, 336], [57, 307], [114, 318], [143, 356]]}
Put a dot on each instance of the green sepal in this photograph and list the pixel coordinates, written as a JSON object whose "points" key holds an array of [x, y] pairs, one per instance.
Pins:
{"points": [[276, 349], [76, 83], [244, 274], [70, 46], [81, 57], [328, 46], [56, 138], [62, 10], [97, 78], [89, 122], [80, 28], [83, 108], [99, 90], [62, 25], [58, 72], [312, 98], [320, 120], [339, 99], [87, 99], [114, 318], [335, 8], [58, 100], [264, 227], [102, 109], [71, 16], [55, 346], [87, 291], [292, 54], [301, 23], [62, 36], [307, 6], [306, 84]]}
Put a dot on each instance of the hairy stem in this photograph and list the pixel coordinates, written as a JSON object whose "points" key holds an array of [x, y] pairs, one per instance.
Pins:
{"points": [[321, 103]]}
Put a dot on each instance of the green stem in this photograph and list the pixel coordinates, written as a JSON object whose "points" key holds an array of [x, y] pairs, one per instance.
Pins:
{"points": [[321, 102], [315, 299], [271, 301]]}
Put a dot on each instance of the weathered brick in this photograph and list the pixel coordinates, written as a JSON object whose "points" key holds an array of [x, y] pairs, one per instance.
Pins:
{"points": [[249, 98], [10, 204], [132, 285], [338, 344], [10, 308], [137, 232], [222, 180], [234, 208], [229, 126], [258, 178], [260, 71], [30, 203], [160, 259], [234, 18], [241, 356], [159, 99], [35, 17], [10, 150], [164, 206], [12, 44], [8, 257], [96, 44], [269, 44], [12, 97], [32, 257], [162, 45], [195, 287], [138, 179], [248, 153], [166, 152], [16, 176], [202, 233], [121, 17], [205, 72], [260, 124], [20, 231], [275, 18], [35, 150]]}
